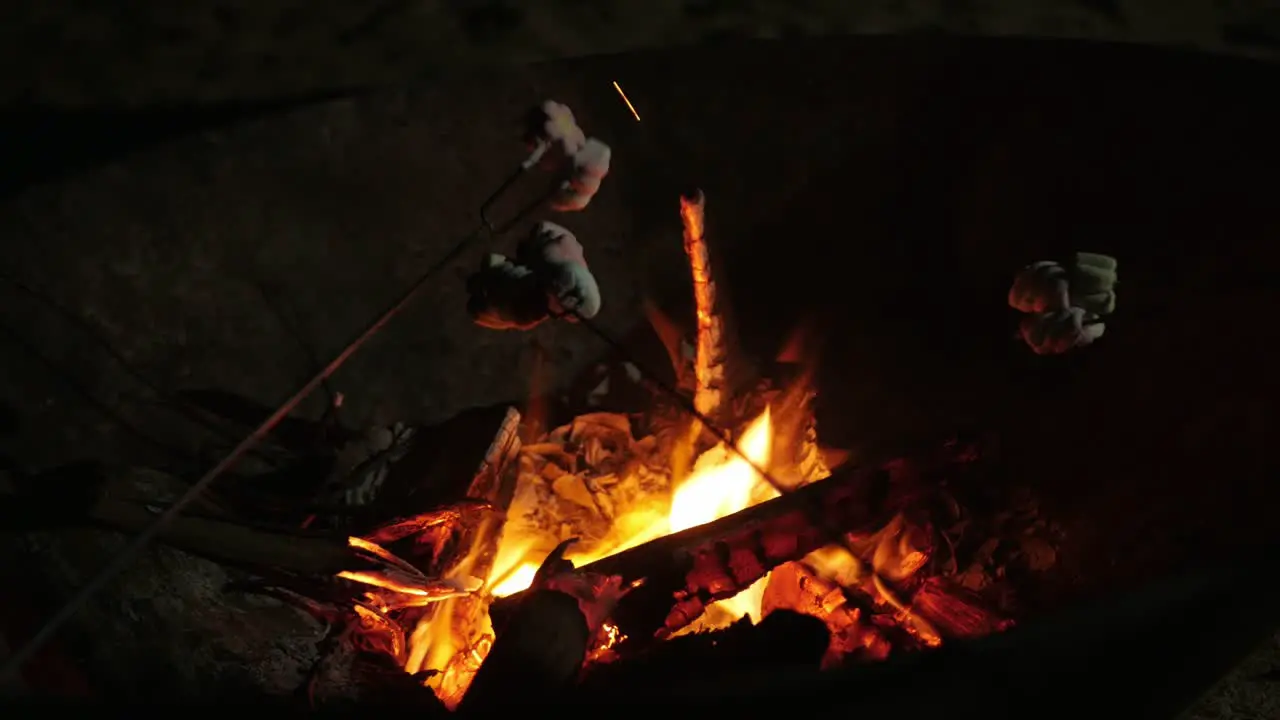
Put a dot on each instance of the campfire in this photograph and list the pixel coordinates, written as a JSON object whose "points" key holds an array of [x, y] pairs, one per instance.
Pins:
{"points": [[610, 545], [594, 548], [661, 526]]}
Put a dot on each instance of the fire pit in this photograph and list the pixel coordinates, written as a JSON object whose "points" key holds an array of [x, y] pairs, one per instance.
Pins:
{"points": [[670, 539]]}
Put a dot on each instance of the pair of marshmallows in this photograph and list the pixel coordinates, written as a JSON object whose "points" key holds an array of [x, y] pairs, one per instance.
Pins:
{"points": [[548, 276], [559, 145], [1064, 304]]}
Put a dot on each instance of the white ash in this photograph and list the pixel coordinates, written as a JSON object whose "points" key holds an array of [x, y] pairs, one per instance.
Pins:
{"points": [[1064, 304], [581, 477]]}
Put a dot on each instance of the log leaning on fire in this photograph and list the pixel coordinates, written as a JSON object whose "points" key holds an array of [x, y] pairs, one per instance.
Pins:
{"points": [[686, 571]]}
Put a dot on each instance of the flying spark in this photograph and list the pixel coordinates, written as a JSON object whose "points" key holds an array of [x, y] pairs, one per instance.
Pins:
{"points": [[626, 100]]}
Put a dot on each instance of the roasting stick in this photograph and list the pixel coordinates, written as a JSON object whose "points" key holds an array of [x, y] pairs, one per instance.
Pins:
{"points": [[121, 562]]}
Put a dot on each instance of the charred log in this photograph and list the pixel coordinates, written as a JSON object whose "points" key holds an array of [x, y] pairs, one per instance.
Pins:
{"points": [[479, 448], [456, 460], [784, 640], [536, 655], [956, 612]]}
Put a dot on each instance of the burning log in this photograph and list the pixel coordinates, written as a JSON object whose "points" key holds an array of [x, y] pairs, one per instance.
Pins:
{"points": [[710, 351], [714, 375], [684, 572]]}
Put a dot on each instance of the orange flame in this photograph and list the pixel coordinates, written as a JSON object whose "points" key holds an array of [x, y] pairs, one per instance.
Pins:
{"points": [[379, 580], [722, 483]]}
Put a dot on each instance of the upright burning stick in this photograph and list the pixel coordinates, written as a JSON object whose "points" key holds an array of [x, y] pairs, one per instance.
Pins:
{"points": [[709, 357], [710, 353]]}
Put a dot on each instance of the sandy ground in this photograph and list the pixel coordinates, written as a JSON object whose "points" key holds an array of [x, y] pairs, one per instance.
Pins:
{"points": [[146, 51], [884, 188]]}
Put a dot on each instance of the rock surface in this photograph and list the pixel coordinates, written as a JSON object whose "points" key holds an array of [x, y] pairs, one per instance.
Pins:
{"points": [[169, 627]]}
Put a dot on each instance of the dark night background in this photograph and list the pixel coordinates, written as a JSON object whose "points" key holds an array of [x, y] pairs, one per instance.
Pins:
{"points": [[182, 206]]}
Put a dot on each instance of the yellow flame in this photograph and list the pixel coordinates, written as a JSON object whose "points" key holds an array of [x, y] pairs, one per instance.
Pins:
{"points": [[515, 581], [722, 483]]}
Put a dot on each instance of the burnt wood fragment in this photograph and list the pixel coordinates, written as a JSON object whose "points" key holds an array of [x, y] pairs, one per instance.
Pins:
{"points": [[536, 655]]}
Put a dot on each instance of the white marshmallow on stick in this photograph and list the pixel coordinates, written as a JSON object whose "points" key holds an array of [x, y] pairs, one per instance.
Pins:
{"points": [[1064, 305], [1088, 281], [552, 134], [506, 296], [589, 166], [549, 275], [1039, 288], [559, 145], [1060, 331], [558, 259]]}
